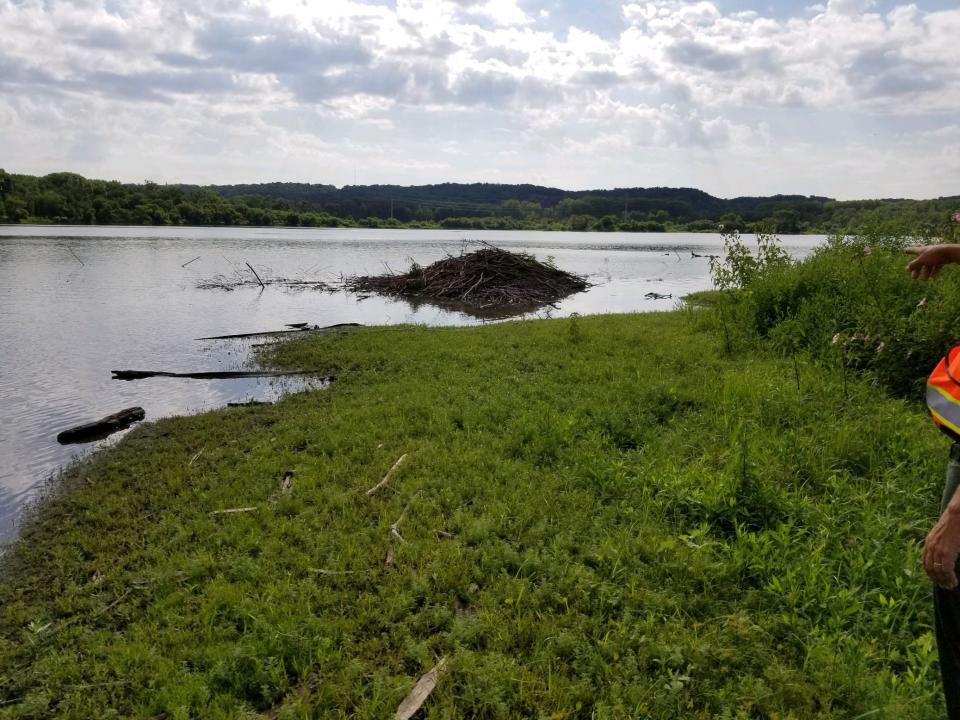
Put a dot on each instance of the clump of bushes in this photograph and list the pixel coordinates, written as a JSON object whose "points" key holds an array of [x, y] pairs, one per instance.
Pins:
{"points": [[851, 304]]}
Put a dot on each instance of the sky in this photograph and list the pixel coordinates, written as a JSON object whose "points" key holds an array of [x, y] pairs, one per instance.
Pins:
{"points": [[845, 98]]}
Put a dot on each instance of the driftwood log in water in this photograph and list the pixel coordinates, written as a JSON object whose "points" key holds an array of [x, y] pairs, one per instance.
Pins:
{"points": [[314, 328], [213, 375], [102, 427]]}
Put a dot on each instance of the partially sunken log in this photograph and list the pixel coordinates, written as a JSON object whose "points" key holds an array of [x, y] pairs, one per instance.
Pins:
{"points": [[487, 278], [213, 375], [102, 427], [295, 328]]}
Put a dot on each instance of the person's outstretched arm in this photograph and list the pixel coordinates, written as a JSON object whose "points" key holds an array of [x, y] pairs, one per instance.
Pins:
{"points": [[931, 259]]}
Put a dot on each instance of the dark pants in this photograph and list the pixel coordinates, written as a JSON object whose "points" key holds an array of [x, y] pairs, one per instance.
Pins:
{"points": [[946, 607]]}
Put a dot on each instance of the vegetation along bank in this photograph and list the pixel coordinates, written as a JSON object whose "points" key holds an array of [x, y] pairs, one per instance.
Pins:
{"points": [[710, 513], [69, 198]]}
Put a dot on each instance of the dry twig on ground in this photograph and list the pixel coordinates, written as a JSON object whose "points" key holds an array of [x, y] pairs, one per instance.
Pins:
{"points": [[421, 691], [386, 478]]}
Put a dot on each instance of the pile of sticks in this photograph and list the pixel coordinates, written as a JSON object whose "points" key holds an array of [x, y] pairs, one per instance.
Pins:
{"points": [[487, 278]]}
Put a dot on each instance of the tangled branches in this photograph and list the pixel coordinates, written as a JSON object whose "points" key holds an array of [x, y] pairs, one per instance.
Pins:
{"points": [[487, 278]]}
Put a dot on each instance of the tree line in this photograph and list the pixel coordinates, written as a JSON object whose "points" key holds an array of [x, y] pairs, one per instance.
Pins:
{"points": [[68, 198]]}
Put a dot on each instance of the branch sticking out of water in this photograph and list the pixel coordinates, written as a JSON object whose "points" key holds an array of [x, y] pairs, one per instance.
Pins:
{"points": [[255, 275]]}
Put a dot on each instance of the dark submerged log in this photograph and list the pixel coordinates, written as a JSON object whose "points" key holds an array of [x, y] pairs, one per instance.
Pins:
{"points": [[315, 328], [212, 375], [103, 427]]}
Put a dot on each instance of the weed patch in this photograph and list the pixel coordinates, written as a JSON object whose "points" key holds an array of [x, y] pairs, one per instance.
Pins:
{"points": [[591, 527]]}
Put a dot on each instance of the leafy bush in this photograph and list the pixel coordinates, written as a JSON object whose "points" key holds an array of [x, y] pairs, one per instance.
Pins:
{"points": [[853, 305], [739, 266]]}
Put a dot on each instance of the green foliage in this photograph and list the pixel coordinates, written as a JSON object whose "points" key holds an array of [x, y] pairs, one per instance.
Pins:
{"points": [[67, 197], [739, 266], [640, 528], [852, 305]]}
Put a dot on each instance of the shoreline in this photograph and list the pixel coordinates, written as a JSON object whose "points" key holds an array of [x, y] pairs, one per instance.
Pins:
{"points": [[582, 508], [407, 227]]}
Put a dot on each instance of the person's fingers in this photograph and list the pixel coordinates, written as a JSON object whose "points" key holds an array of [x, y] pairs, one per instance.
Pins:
{"points": [[940, 567], [932, 563], [950, 580], [927, 561], [934, 568], [946, 576], [936, 271], [914, 249]]}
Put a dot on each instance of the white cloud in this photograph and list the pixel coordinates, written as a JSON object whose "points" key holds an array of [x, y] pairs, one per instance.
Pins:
{"points": [[286, 89]]}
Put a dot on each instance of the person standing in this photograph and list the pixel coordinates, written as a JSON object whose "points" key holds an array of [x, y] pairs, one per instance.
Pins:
{"points": [[941, 547]]}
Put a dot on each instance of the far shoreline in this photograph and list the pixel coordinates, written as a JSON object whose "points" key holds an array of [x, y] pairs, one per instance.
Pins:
{"points": [[675, 231]]}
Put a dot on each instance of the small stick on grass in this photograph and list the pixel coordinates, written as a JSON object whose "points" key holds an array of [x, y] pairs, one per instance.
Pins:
{"points": [[112, 605], [386, 478], [231, 511], [195, 458], [395, 527], [421, 691]]}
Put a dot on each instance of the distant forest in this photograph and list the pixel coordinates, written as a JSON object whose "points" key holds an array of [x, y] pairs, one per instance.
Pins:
{"points": [[67, 198]]}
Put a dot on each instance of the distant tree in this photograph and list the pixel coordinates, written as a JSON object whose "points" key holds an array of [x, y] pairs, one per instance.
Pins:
{"points": [[786, 220], [521, 209], [580, 223], [732, 222], [607, 223], [50, 204], [17, 210]]}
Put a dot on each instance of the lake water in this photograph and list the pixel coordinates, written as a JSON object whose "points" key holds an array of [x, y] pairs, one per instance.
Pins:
{"points": [[78, 302]]}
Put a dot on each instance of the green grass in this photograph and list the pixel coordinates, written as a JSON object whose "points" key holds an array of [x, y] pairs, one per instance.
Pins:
{"points": [[642, 526]]}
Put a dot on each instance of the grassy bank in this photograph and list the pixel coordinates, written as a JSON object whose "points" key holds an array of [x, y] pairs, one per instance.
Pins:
{"points": [[603, 517]]}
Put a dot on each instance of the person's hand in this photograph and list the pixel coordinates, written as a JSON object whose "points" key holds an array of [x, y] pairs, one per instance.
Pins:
{"points": [[940, 550], [930, 260]]}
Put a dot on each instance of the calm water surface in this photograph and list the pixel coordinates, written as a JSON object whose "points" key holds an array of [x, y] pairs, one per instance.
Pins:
{"points": [[77, 302]]}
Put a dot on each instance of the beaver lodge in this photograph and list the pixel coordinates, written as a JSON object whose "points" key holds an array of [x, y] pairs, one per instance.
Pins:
{"points": [[490, 278]]}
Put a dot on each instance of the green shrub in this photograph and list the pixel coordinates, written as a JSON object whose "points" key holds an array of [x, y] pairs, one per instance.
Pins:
{"points": [[851, 304]]}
